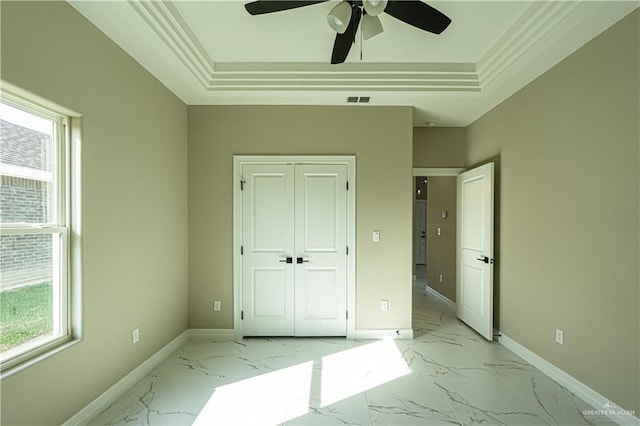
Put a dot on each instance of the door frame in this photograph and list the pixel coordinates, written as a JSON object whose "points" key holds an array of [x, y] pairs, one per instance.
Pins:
{"points": [[437, 171], [238, 162]]}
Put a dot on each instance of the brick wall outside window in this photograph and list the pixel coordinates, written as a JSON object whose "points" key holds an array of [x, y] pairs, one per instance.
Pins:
{"points": [[24, 259]]}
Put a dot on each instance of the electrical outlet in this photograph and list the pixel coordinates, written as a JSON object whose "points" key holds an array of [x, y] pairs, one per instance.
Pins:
{"points": [[384, 305], [441, 278], [216, 305], [135, 335], [439, 231], [559, 336]]}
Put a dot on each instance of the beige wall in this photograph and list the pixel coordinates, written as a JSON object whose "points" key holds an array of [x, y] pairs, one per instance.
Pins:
{"points": [[439, 146], [134, 205], [380, 137], [568, 146], [441, 249]]}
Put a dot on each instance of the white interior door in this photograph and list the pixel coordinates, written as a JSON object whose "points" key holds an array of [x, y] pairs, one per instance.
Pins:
{"points": [[321, 242], [268, 240], [420, 231], [474, 286], [294, 262]]}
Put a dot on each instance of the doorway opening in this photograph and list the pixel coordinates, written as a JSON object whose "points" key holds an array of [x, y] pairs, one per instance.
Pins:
{"points": [[459, 240], [434, 249]]}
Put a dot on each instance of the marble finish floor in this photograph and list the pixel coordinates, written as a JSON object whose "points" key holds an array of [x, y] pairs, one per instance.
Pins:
{"points": [[447, 375]]}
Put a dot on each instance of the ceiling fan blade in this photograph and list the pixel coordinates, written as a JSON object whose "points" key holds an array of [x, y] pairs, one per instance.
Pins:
{"points": [[260, 7], [343, 42], [418, 14]]}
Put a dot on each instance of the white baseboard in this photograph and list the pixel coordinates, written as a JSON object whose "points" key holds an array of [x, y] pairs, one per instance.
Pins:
{"points": [[402, 334], [212, 333], [88, 413], [603, 406], [441, 297]]}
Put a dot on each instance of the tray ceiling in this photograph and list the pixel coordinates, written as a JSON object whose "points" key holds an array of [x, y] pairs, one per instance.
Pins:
{"points": [[215, 53]]}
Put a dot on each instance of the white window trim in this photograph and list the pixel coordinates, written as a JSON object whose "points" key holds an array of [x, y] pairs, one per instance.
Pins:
{"points": [[67, 226], [25, 172]]}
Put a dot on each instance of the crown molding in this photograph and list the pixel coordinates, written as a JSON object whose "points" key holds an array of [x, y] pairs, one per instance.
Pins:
{"points": [[360, 76], [537, 21], [170, 26]]}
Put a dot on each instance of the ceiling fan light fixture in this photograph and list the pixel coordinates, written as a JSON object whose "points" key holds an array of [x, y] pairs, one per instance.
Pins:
{"points": [[371, 26], [374, 7], [339, 17]]}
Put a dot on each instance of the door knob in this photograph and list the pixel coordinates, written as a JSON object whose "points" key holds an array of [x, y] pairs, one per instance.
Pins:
{"points": [[301, 260], [289, 259]]}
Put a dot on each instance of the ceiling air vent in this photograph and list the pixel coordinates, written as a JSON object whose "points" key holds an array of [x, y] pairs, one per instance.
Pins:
{"points": [[358, 100]]}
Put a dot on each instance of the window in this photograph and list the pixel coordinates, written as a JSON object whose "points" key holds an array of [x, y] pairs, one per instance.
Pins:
{"points": [[35, 216]]}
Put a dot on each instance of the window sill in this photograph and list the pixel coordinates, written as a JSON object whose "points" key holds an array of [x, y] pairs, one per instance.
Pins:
{"points": [[10, 371]]}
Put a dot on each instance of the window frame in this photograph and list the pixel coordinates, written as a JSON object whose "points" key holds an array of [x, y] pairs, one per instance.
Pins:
{"points": [[62, 225]]}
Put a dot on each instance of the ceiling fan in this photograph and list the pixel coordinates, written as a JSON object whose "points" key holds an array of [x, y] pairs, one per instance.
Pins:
{"points": [[346, 16]]}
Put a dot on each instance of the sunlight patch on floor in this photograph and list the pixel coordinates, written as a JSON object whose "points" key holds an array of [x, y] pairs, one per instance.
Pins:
{"points": [[288, 393], [260, 400], [357, 370]]}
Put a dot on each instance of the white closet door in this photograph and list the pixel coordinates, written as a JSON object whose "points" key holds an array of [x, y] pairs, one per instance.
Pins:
{"points": [[268, 239], [321, 243], [295, 212]]}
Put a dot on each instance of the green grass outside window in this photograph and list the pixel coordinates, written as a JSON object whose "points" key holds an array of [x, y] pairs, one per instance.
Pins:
{"points": [[25, 313]]}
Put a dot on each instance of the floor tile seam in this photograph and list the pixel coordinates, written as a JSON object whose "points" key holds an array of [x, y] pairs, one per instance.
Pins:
{"points": [[535, 409], [447, 401], [366, 398]]}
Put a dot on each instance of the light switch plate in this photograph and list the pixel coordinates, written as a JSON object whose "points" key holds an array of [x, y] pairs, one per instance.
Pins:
{"points": [[376, 236]]}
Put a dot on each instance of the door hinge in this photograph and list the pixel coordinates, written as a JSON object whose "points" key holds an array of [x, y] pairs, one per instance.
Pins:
{"points": [[242, 182], [347, 250], [241, 315], [241, 250], [347, 315], [347, 185]]}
